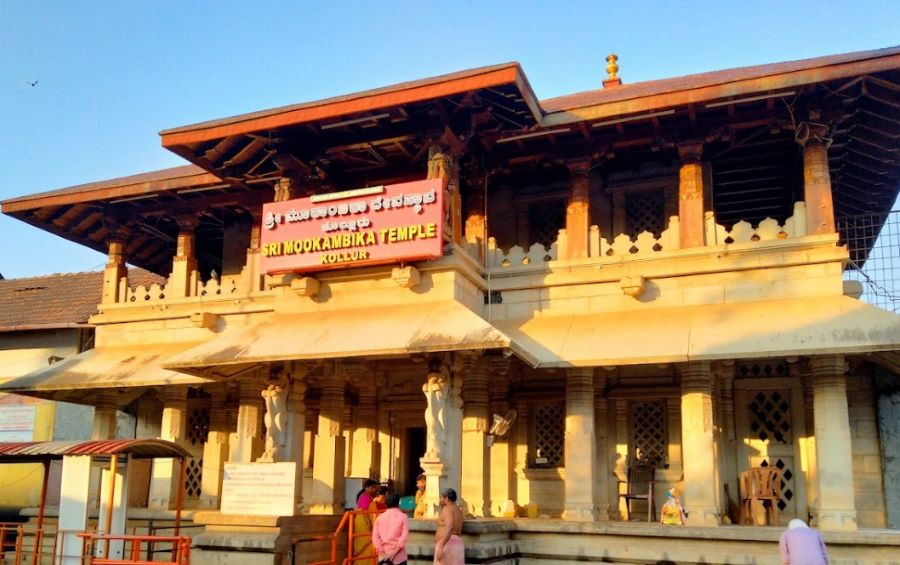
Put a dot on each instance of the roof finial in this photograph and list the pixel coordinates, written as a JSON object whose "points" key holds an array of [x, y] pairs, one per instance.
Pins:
{"points": [[612, 69]]}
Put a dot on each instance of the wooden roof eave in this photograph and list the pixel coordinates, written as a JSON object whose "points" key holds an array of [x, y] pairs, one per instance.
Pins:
{"points": [[407, 93], [714, 92], [108, 190]]}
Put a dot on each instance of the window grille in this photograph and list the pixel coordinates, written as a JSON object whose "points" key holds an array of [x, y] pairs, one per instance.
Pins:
{"points": [[549, 435], [770, 417], [545, 219], [193, 478], [645, 211], [198, 425], [649, 441], [763, 369], [787, 483]]}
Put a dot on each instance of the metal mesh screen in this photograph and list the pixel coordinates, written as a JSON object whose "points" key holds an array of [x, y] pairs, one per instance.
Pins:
{"points": [[874, 244]]}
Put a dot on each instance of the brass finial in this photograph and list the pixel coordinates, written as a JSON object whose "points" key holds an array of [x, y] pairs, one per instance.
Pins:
{"points": [[612, 68]]}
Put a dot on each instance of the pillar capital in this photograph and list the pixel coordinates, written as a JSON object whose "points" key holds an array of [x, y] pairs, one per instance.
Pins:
{"points": [[690, 151], [696, 377], [579, 167]]}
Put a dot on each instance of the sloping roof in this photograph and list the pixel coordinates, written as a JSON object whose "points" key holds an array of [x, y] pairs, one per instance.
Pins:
{"points": [[702, 80], [57, 300], [35, 451]]}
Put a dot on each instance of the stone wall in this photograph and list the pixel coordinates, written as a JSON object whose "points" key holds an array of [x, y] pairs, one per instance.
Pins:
{"points": [[867, 478], [889, 428]]}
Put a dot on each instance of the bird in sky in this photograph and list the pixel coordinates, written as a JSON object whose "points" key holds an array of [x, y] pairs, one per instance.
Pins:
{"points": [[32, 83]]}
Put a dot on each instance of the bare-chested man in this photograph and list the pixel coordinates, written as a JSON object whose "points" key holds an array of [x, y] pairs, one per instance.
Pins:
{"points": [[448, 545]]}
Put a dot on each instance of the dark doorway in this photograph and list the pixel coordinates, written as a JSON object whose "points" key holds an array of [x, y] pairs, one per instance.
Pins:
{"points": [[415, 449]]}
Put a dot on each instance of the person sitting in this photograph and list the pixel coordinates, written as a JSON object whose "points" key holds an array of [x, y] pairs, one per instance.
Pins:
{"points": [[421, 507]]}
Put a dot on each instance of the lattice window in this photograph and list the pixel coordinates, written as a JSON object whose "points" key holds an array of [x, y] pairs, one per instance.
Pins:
{"points": [[770, 416], [193, 478], [649, 442], [545, 219], [787, 483], [549, 435], [764, 369], [198, 425], [645, 211]]}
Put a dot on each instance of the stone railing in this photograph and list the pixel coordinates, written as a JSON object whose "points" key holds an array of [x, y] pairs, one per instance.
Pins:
{"points": [[646, 243], [154, 293]]}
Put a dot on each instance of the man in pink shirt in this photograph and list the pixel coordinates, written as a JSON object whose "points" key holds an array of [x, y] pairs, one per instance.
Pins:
{"points": [[801, 545], [390, 532]]}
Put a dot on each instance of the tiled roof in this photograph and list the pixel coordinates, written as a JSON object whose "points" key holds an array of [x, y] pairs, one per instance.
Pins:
{"points": [[57, 300]]}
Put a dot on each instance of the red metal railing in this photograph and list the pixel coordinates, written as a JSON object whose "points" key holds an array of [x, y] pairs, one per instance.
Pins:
{"points": [[137, 554], [366, 552]]}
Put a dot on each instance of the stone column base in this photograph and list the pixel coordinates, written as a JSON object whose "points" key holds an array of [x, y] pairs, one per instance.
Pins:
{"points": [[837, 520], [703, 517], [579, 513], [435, 479]]}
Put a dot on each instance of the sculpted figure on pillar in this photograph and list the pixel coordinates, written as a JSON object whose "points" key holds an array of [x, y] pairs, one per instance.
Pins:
{"points": [[275, 398], [435, 389]]}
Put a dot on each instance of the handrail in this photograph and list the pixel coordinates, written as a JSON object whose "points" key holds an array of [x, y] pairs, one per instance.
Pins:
{"points": [[346, 519], [181, 549]]}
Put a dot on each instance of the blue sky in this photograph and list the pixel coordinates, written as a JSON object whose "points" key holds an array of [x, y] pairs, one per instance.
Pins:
{"points": [[112, 74]]}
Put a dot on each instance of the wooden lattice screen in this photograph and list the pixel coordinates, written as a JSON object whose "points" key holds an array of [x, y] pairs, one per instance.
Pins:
{"points": [[649, 442], [549, 433], [645, 211]]}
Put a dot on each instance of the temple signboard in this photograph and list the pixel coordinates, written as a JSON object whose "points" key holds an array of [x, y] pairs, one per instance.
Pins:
{"points": [[355, 228]]}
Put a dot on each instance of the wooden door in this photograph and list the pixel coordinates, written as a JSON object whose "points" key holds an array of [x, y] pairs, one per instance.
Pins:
{"points": [[770, 420]]}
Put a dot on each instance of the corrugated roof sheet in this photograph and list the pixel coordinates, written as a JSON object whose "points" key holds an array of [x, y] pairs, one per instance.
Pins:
{"points": [[22, 452]]}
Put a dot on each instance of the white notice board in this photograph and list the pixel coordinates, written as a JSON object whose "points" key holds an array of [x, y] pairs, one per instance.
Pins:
{"points": [[16, 422], [259, 489]]}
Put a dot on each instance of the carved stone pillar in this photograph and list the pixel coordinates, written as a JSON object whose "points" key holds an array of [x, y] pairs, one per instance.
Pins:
{"points": [[817, 182], [501, 453], [442, 165], [809, 448], [366, 448], [165, 472], [522, 484], [443, 426], [247, 441], [698, 445], [690, 195], [105, 407], [329, 465], [577, 211], [580, 446], [476, 456], [215, 450], [295, 425], [602, 473], [728, 448], [115, 265], [621, 457], [837, 506], [184, 264]]}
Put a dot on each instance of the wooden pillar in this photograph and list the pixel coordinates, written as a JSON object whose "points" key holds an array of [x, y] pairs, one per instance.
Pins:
{"points": [[837, 506], [246, 442], [215, 450], [165, 475], [601, 457], [577, 210], [184, 264], [817, 180], [116, 267], [476, 456], [698, 445], [476, 222], [329, 465], [580, 446], [442, 165], [690, 195]]}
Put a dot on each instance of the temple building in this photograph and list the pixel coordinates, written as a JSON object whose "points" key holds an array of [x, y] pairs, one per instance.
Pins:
{"points": [[539, 303]]}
